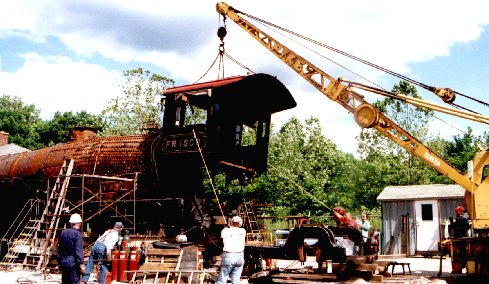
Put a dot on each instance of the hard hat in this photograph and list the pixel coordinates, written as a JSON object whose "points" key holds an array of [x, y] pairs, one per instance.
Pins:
{"points": [[459, 209], [118, 225], [237, 220], [75, 219]]}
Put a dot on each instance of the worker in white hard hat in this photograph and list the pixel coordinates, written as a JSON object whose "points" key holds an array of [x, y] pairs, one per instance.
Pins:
{"points": [[70, 252], [232, 258]]}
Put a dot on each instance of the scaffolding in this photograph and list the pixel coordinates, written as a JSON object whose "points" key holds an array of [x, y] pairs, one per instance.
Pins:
{"points": [[116, 195], [32, 242]]}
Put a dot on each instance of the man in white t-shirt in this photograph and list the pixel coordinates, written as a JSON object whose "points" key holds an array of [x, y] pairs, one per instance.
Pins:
{"points": [[100, 250], [232, 258]]}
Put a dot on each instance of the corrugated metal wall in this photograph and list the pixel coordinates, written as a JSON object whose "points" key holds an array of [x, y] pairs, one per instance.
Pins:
{"points": [[392, 225], [447, 206]]}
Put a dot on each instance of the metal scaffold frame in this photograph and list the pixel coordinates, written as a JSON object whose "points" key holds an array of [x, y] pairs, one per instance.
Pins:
{"points": [[128, 195]]}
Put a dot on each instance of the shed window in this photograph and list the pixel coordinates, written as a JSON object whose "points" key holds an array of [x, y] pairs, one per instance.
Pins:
{"points": [[427, 212]]}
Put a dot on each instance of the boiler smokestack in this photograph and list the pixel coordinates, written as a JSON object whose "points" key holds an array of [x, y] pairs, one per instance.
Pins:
{"points": [[82, 133], [3, 138]]}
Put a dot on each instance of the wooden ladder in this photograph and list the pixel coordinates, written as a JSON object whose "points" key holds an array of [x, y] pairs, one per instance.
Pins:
{"points": [[168, 276], [43, 239], [246, 212]]}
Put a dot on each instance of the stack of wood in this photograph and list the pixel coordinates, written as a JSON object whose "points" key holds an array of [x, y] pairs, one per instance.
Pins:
{"points": [[171, 265]]}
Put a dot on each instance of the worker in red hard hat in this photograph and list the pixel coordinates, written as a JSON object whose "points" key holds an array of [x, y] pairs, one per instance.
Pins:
{"points": [[460, 224], [459, 210]]}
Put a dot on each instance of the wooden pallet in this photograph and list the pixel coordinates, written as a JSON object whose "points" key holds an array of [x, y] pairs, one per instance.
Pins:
{"points": [[171, 265], [162, 259]]}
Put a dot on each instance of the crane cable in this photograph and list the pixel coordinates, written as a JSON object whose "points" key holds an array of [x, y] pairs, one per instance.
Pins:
{"points": [[395, 74], [221, 33], [299, 186], [269, 24], [238, 63], [209, 175], [210, 67]]}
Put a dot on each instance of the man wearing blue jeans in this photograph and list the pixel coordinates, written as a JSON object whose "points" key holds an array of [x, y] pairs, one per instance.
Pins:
{"points": [[102, 247], [232, 258]]}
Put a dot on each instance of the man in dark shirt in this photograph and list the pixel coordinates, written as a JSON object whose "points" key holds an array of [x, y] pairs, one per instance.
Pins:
{"points": [[460, 224], [70, 252], [460, 227]]}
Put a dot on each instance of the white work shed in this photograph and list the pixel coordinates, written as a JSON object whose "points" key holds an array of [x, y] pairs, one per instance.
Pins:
{"points": [[414, 217]]}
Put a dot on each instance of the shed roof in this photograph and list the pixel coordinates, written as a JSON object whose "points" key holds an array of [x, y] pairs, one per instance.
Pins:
{"points": [[427, 191], [10, 149]]}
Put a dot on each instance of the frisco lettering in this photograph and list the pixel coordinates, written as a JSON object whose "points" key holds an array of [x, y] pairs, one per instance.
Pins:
{"points": [[432, 159], [181, 144]]}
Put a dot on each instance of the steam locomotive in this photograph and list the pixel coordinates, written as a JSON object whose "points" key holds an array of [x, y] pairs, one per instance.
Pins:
{"points": [[155, 180]]}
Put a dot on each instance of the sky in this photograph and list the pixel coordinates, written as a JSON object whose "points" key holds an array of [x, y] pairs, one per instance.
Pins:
{"points": [[70, 55]]}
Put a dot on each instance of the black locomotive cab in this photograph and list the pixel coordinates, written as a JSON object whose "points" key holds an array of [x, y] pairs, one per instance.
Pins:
{"points": [[227, 121]]}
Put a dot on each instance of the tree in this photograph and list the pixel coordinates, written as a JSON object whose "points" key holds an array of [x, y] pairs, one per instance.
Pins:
{"points": [[375, 148], [307, 174], [140, 106], [58, 130], [386, 163], [20, 121], [461, 150]]}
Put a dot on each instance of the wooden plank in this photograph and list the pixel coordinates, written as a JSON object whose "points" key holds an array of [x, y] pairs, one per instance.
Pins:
{"points": [[377, 278], [158, 266], [190, 258], [302, 276], [161, 259], [382, 262], [163, 252], [368, 267], [391, 256]]}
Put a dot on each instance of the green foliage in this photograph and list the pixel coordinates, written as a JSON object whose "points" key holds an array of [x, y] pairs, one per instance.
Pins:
{"points": [[439, 145], [58, 130], [307, 174], [140, 106], [306, 170], [461, 150], [20, 121], [195, 115], [384, 162], [414, 120]]}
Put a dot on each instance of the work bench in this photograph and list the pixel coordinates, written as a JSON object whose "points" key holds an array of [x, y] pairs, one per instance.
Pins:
{"points": [[403, 264]]}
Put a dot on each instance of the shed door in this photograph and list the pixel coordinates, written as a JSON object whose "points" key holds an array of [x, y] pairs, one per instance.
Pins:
{"points": [[427, 227]]}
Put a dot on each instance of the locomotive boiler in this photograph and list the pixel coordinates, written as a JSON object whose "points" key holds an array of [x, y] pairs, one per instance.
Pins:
{"points": [[220, 126]]}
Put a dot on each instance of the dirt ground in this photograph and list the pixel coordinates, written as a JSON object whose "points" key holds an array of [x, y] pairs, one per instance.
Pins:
{"points": [[423, 271]]}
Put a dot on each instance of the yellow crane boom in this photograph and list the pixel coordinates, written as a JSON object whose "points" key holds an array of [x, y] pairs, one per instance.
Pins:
{"points": [[367, 115]]}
